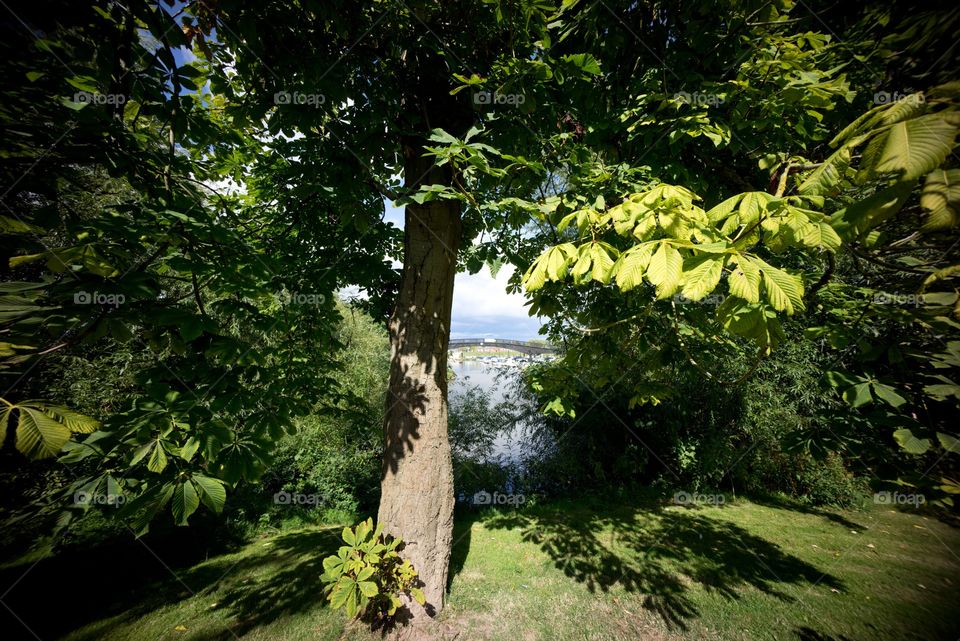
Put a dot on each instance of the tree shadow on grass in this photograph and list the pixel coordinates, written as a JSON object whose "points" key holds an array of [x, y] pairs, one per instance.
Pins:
{"points": [[279, 577], [783, 503], [462, 531], [809, 634], [661, 553]]}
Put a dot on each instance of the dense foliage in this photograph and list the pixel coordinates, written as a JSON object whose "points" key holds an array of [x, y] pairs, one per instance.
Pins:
{"points": [[738, 223]]}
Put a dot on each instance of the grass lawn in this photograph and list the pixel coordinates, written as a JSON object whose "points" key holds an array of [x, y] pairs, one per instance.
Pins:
{"points": [[575, 570]]}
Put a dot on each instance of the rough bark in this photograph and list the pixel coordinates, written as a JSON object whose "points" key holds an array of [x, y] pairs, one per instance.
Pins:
{"points": [[417, 483]]}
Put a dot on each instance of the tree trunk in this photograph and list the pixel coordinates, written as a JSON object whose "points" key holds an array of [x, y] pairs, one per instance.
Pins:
{"points": [[417, 498]]}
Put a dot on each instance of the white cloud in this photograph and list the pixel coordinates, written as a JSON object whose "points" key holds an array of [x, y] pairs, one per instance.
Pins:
{"points": [[483, 308], [482, 295]]}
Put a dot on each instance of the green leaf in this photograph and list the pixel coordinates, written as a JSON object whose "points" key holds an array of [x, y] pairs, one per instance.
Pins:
{"points": [[536, 275], [189, 448], [185, 502], [585, 62], [821, 234], [752, 204], [75, 421], [212, 491], [602, 263], [910, 443], [826, 178], [158, 458], [888, 395], [744, 280], [13, 226], [944, 390], [664, 270], [940, 298], [701, 275], [348, 536], [583, 264], [862, 216], [557, 263], [859, 125], [38, 435], [858, 395], [631, 265], [362, 530], [909, 148], [365, 573], [949, 443], [352, 603], [147, 505], [368, 588], [784, 291], [342, 590], [941, 197], [4, 424], [724, 209], [141, 452], [439, 135], [191, 327], [418, 595], [333, 564]]}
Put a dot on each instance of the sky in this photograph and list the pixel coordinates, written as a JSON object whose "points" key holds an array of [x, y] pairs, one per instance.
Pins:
{"points": [[482, 308]]}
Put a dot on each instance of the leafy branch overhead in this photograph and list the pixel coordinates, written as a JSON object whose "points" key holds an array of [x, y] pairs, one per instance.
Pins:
{"points": [[662, 241], [41, 429], [190, 195]]}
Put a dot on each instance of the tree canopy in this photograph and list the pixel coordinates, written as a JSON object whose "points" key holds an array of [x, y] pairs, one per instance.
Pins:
{"points": [[192, 183]]}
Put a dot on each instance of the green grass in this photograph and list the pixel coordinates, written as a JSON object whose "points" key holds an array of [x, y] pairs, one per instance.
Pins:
{"points": [[575, 570], [744, 571]]}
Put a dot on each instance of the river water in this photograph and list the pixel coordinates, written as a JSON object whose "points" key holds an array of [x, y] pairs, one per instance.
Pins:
{"points": [[509, 446]]}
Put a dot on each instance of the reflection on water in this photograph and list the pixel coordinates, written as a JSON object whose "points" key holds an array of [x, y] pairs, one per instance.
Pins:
{"points": [[497, 383]]}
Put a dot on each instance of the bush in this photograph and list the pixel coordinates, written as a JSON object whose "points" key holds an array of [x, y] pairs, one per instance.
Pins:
{"points": [[828, 482], [703, 434], [332, 463], [367, 577]]}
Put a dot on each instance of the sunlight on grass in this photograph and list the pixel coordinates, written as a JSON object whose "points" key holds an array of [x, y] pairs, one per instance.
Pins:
{"points": [[582, 570]]}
